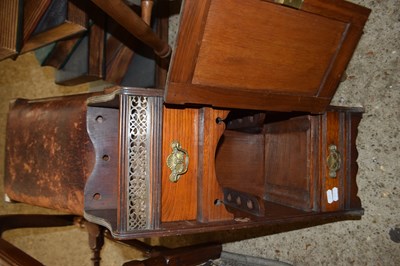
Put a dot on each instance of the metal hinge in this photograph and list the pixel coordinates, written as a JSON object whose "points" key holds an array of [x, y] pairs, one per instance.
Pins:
{"points": [[292, 3]]}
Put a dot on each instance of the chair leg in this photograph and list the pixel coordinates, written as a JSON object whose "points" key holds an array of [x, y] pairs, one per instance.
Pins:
{"points": [[96, 241]]}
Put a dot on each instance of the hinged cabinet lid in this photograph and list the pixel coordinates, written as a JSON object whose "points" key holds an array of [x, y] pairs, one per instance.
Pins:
{"points": [[258, 54]]}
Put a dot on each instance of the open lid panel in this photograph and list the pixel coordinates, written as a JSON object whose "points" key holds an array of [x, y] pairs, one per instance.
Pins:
{"points": [[263, 55]]}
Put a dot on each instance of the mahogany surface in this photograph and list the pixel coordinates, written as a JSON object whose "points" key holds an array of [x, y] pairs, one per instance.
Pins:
{"points": [[289, 60]]}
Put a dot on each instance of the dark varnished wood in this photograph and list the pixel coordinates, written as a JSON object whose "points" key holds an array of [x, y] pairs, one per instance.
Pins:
{"points": [[92, 53], [15, 221], [120, 50], [278, 215], [100, 190]]}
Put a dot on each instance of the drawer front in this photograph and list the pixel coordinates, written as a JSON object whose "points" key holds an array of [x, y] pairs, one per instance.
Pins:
{"points": [[338, 160], [179, 199], [194, 195]]}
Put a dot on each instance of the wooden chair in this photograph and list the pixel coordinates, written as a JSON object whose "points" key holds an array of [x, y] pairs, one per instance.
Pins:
{"points": [[157, 256]]}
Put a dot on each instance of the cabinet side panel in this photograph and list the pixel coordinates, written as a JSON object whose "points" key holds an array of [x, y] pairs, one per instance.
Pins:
{"points": [[352, 121], [49, 155]]}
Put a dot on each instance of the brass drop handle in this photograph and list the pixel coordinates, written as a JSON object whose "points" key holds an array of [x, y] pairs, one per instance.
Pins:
{"points": [[333, 161], [177, 161]]}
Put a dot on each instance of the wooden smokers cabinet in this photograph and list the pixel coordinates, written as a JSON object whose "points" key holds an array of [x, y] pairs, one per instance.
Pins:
{"points": [[241, 135], [110, 158]]}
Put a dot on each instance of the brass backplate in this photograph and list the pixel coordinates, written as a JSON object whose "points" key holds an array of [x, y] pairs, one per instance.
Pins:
{"points": [[177, 161]]}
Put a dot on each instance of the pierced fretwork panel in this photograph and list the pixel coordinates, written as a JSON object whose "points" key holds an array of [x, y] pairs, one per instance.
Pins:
{"points": [[138, 163]]}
